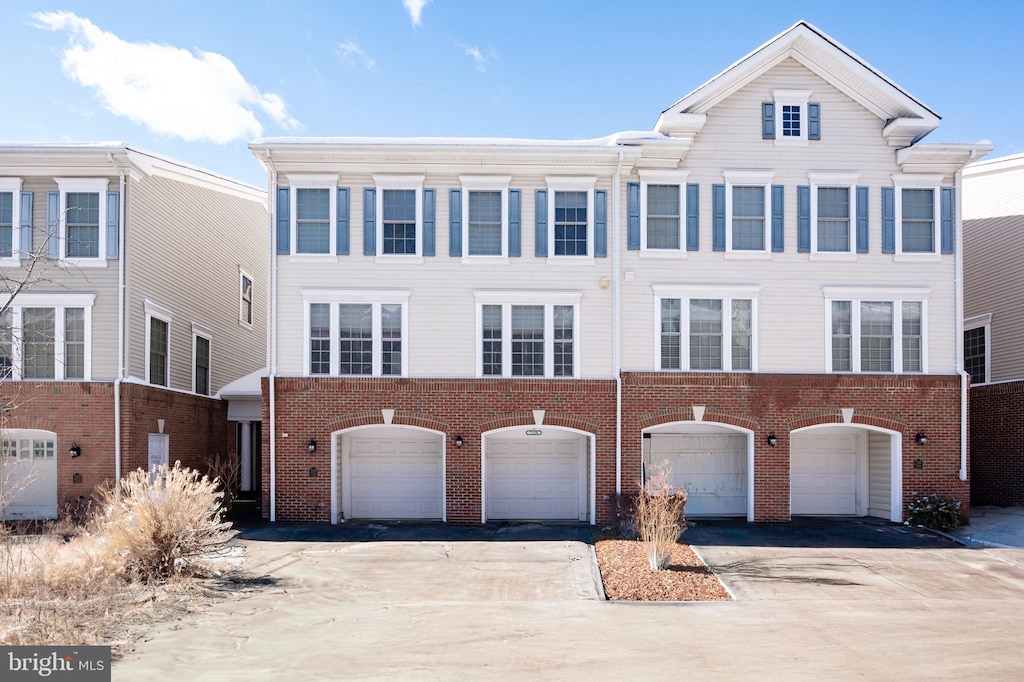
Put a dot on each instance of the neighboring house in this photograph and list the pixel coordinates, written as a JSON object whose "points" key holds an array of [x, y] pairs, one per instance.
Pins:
{"points": [[150, 297], [762, 292], [993, 215]]}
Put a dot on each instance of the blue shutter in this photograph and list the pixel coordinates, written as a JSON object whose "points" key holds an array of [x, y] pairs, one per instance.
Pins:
{"points": [[718, 217], [455, 223], [341, 237], [284, 228], [888, 220], [369, 221], [25, 227], [813, 121], [692, 217], [428, 222], [633, 216], [600, 223], [862, 220], [767, 121], [515, 223], [778, 224], [946, 216], [53, 224], [803, 219], [540, 234], [113, 224]]}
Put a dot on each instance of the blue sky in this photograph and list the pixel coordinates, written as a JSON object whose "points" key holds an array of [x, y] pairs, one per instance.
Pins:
{"points": [[196, 80]]}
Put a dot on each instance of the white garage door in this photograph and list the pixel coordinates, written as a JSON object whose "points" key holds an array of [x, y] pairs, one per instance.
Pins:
{"points": [[824, 473], [398, 476], [28, 472], [711, 466], [536, 479]]}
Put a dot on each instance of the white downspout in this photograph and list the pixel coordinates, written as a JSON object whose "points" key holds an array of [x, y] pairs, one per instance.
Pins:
{"points": [[958, 260], [121, 288], [272, 315], [616, 326]]}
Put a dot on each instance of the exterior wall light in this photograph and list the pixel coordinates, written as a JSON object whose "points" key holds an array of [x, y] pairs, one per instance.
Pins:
{"points": [[921, 438], [772, 440], [312, 446], [458, 441], [75, 450]]}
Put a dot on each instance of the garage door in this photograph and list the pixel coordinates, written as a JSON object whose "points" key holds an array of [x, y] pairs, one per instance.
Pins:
{"points": [[536, 479], [712, 468], [824, 473], [29, 474], [399, 476]]}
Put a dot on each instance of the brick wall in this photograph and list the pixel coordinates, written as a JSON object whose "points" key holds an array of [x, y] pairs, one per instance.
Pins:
{"points": [[780, 403], [317, 407], [997, 443]]}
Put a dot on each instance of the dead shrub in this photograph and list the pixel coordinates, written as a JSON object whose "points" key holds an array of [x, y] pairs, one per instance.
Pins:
{"points": [[226, 471], [659, 517], [162, 523]]}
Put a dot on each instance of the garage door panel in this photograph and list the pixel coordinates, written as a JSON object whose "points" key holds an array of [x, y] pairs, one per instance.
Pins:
{"points": [[824, 474], [711, 467], [526, 479], [396, 478]]}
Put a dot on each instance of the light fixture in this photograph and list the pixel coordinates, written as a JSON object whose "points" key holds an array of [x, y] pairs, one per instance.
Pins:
{"points": [[772, 440], [459, 441], [312, 446], [920, 438], [75, 450]]}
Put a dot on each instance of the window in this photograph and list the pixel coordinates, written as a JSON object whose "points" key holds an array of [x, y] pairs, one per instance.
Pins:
{"points": [[201, 341], [10, 205], [356, 332], [399, 208], [833, 197], [570, 219], [83, 218], [663, 211], [705, 328], [917, 216], [747, 207], [485, 229], [526, 334], [791, 120], [876, 330], [245, 298], [158, 345], [28, 444], [977, 336], [791, 116], [313, 211], [47, 336]]}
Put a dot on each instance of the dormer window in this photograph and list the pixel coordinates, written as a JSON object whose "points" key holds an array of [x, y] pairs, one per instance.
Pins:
{"points": [[790, 119]]}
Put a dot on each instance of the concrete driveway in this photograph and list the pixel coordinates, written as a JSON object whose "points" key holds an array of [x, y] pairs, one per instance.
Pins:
{"points": [[516, 608]]}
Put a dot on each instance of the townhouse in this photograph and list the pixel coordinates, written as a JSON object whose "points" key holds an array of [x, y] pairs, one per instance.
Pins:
{"points": [[761, 295], [133, 291]]}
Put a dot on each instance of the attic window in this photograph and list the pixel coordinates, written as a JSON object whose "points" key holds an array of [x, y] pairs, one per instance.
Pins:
{"points": [[790, 119]]}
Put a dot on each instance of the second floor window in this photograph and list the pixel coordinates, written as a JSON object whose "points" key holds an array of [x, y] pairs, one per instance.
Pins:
{"points": [[313, 220], [83, 224], [918, 220], [748, 218], [6, 224], [570, 223], [485, 224], [399, 221]]}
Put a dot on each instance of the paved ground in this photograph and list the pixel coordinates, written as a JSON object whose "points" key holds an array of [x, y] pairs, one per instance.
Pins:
{"points": [[848, 600], [993, 527]]}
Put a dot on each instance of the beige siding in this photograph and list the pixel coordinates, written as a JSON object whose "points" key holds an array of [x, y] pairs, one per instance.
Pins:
{"points": [[879, 475], [994, 188], [791, 329], [186, 244]]}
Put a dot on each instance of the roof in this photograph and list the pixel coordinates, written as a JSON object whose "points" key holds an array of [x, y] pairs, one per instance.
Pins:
{"points": [[248, 386]]}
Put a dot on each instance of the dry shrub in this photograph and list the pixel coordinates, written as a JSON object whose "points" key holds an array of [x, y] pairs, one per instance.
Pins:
{"points": [[659, 517], [227, 472], [162, 524]]}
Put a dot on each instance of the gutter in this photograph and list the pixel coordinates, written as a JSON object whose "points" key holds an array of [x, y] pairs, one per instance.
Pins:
{"points": [[272, 331], [958, 280], [121, 293], [616, 323]]}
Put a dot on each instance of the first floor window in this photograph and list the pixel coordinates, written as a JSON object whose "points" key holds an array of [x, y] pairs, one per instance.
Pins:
{"points": [[39, 339], [877, 336], [357, 338], [159, 333], [7, 344], [202, 365], [706, 334], [528, 340], [492, 346], [74, 343], [976, 340], [45, 341], [319, 338]]}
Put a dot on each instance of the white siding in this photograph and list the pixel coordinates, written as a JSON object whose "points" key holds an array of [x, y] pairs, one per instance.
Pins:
{"points": [[879, 475]]}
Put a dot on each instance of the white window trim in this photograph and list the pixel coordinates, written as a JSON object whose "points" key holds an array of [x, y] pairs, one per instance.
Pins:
{"points": [[746, 178], [374, 297], [159, 312], [329, 182], [485, 183], [842, 180], [723, 292], [386, 182], [895, 295], [90, 185], [977, 322], [571, 184], [252, 299], [199, 330], [790, 98], [548, 299], [60, 302], [903, 181], [13, 185], [663, 177]]}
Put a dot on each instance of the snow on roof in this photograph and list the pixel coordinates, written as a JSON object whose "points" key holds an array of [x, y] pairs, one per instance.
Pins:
{"points": [[245, 387], [614, 140]]}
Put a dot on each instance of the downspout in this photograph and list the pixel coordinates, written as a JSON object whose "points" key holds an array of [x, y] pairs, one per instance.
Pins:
{"points": [[272, 315], [958, 277], [616, 326], [121, 289]]}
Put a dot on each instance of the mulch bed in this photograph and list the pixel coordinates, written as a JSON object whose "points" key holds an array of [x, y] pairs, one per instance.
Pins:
{"points": [[626, 574]]}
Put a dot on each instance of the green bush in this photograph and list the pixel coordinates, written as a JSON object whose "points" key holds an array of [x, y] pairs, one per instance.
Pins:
{"points": [[934, 511]]}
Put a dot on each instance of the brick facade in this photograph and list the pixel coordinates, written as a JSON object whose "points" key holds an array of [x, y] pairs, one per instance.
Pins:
{"points": [[997, 443]]}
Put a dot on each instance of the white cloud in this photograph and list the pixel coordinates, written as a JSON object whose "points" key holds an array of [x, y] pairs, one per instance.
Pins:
{"points": [[480, 58], [198, 96], [354, 55], [415, 10]]}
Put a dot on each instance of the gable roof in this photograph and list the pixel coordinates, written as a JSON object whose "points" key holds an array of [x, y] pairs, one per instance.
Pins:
{"points": [[822, 55]]}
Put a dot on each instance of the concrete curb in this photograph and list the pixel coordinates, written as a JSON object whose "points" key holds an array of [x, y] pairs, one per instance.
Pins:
{"points": [[971, 543], [598, 580], [721, 582]]}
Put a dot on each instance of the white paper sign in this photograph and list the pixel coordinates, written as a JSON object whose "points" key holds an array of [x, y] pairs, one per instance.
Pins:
{"points": [[158, 446]]}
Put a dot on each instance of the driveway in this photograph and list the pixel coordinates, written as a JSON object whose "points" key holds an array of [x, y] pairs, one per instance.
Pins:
{"points": [[509, 607]]}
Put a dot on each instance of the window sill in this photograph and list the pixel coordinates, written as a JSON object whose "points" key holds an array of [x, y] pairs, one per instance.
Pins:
{"points": [[747, 255], [12, 262], [398, 260], [917, 258], [312, 258], [833, 256], [791, 142], [83, 263], [663, 254], [570, 260], [485, 260]]}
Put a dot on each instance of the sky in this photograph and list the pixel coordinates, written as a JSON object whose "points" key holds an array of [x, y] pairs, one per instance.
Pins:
{"points": [[196, 80]]}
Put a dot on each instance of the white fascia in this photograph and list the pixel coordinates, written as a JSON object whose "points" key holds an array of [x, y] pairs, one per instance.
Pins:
{"points": [[570, 184], [663, 177], [485, 183]]}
